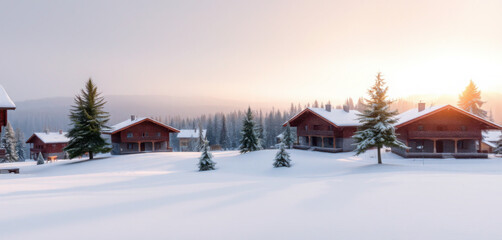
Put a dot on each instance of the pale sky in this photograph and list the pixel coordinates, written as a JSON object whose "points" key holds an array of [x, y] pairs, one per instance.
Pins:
{"points": [[249, 50]]}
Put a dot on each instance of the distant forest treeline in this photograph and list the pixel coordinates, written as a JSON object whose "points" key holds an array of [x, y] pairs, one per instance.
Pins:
{"points": [[52, 114]]}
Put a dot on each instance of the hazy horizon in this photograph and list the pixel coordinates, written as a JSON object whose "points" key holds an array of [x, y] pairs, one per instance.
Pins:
{"points": [[267, 51]]}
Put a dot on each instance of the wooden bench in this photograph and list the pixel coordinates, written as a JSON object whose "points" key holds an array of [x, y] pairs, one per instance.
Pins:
{"points": [[52, 158], [9, 170]]}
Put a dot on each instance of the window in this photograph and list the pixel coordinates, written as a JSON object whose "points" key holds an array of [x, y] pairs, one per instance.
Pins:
{"points": [[306, 127], [130, 146], [129, 135], [463, 128], [159, 134], [145, 134], [330, 127], [420, 127]]}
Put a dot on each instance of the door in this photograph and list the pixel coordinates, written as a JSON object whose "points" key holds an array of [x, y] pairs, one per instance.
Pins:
{"points": [[439, 146], [142, 147]]}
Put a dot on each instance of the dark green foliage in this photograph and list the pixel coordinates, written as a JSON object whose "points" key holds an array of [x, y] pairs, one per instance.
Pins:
{"points": [[377, 129], [249, 141], [88, 121]]}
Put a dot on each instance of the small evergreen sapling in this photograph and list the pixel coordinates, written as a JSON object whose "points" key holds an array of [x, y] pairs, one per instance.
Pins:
{"points": [[9, 143], [206, 159], [249, 141], [287, 137], [377, 129], [282, 157], [40, 159]]}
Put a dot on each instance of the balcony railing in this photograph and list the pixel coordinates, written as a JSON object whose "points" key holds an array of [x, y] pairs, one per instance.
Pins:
{"points": [[443, 134], [324, 133], [146, 138]]}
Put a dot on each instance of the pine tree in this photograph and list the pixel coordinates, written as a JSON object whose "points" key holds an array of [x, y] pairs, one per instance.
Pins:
{"points": [[88, 120], [249, 141], [287, 137], [470, 100], [224, 139], [40, 159], [282, 157], [200, 141], [360, 106], [377, 129], [9, 143], [20, 145], [205, 162]]}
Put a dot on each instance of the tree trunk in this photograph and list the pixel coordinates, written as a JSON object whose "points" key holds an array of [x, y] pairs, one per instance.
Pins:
{"points": [[91, 155], [379, 155]]}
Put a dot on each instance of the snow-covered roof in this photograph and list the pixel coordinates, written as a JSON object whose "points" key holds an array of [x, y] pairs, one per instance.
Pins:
{"points": [[338, 117], [413, 114], [280, 136], [492, 135], [130, 122], [191, 133], [5, 101], [51, 137]]}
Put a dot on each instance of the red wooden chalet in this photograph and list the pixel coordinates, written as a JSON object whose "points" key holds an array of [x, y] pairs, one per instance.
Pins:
{"points": [[49, 144], [5, 104], [140, 135], [325, 129], [441, 131]]}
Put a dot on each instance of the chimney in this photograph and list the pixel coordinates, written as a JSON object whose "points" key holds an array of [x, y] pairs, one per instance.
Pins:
{"points": [[421, 106], [46, 131], [61, 132], [345, 108], [133, 117], [328, 107]]}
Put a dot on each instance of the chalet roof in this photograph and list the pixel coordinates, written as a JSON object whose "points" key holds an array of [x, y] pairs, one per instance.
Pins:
{"points": [[414, 115], [50, 137], [5, 101], [190, 133], [338, 117], [129, 123], [492, 135]]}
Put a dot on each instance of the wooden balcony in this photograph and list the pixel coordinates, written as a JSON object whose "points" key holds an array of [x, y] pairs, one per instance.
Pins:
{"points": [[323, 133], [443, 135], [145, 139]]}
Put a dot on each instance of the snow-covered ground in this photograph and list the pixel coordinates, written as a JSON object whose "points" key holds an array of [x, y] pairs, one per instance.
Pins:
{"points": [[323, 196]]}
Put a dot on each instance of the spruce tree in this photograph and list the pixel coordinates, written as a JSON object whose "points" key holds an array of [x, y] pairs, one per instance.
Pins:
{"points": [[249, 141], [20, 145], [287, 137], [470, 100], [9, 143], [377, 129], [40, 159], [282, 157], [88, 120], [224, 139], [205, 161], [200, 140]]}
